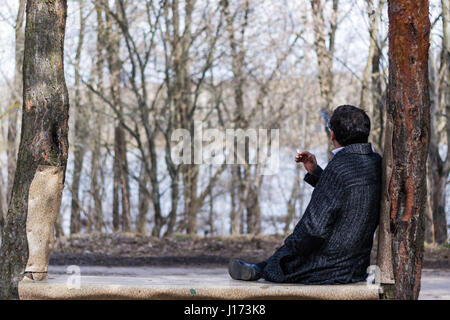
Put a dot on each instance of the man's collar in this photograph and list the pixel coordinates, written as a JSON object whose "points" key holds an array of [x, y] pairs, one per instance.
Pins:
{"points": [[360, 148], [334, 151]]}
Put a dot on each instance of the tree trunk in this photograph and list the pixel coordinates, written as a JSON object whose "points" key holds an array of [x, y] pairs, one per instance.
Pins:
{"points": [[120, 162], [211, 217], [241, 183], [156, 196], [378, 98], [253, 210], [96, 168], [438, 194], [141, 222], [43, 142], [190, 174], [174, 203], [15, 99], [374, 15], [59, 231], [408, 109], [3, 206], [429, 232], [95, 183], [234, 197], [80, 135], [124, 181], [292, 201], [116, 183], [121, 185], [371, 92], [325, 56], [183, 105], [436, 222], [438, 208]]}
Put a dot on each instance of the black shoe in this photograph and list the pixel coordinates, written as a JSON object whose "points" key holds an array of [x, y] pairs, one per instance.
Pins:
{"points": [[241, 270]]}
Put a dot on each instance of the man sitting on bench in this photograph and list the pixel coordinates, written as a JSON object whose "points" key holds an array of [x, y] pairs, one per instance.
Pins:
{"points": [[331, 243]]}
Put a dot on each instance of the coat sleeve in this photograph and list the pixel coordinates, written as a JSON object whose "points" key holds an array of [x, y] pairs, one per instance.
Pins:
{"points": [[313, 178], [316, 225]]}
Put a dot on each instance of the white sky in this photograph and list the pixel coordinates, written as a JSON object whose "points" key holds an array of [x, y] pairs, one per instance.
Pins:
{"points": [[351, 44]]}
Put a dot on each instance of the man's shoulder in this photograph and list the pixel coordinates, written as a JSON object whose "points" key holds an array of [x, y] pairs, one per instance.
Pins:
{"points": [[346, 157], [344, 163]]}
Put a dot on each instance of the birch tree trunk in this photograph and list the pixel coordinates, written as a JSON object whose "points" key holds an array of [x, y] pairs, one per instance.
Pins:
{"points": [[43, 142], [408, 109]]}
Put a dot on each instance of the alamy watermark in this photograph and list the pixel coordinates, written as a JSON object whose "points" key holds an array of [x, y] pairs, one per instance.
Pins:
{"points": [[374, 276], [74, 278], [229, 146]]}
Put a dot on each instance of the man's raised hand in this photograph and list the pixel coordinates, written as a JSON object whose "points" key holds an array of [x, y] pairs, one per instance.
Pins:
{"points": [[308, 159]]}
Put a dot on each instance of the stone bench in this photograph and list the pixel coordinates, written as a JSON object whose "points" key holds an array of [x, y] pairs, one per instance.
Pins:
{"points": [[182, 283]]}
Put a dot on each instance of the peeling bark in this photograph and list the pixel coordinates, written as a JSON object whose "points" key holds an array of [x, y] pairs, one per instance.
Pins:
{"points": [[44, 199], [408, 107], [45, 115]]}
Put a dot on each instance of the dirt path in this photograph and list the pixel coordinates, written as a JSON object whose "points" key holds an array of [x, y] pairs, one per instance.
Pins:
{"points": [[435, 285], [139, 251]]}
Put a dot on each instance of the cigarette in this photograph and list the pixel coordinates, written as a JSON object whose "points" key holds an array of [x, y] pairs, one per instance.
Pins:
{"points": [[299, 156]]}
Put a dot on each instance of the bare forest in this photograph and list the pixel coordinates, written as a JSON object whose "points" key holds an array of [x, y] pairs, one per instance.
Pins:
{"points": [[138, 71]]}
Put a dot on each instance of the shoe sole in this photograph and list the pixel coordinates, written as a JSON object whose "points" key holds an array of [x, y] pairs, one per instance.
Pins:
{"points": [[239, 271]]}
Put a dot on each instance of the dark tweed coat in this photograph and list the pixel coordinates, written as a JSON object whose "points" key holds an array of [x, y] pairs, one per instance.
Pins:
{"points": [[332, 241]]}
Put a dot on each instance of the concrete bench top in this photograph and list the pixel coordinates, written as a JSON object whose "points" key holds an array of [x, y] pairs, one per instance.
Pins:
{"points": [[177, 283]]}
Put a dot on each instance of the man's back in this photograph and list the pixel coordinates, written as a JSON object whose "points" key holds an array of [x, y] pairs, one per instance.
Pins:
{"points": [[333, 240]]}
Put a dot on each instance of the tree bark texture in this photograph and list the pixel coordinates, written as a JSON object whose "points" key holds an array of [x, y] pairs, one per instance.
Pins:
{"points": [[44, 141], [408, 109], [15, 99]]}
